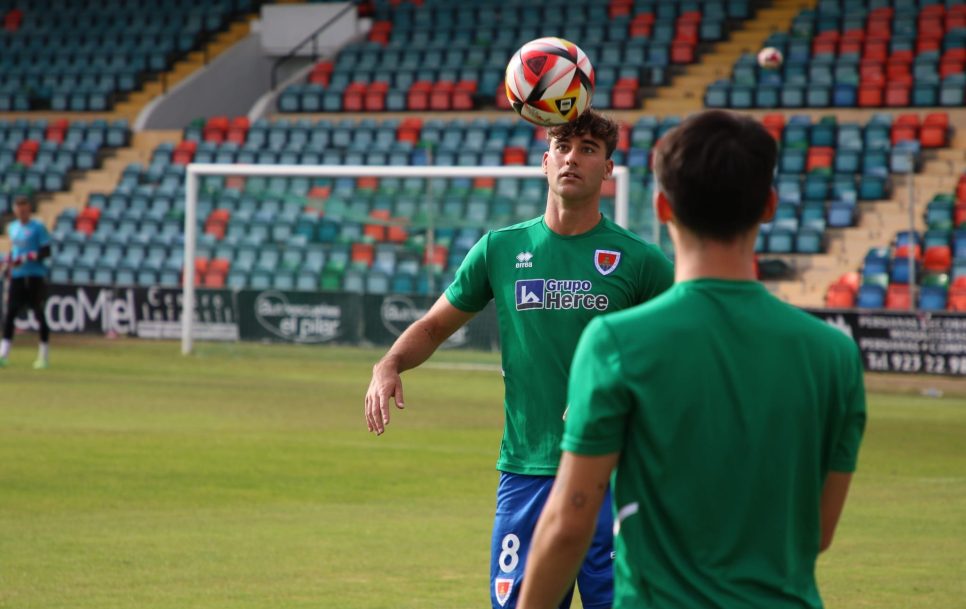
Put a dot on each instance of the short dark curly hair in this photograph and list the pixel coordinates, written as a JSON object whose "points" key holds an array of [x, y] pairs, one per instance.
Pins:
{"points": [[589, 122], [716, 170]]}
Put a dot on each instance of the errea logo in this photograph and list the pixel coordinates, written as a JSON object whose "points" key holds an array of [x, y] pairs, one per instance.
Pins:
{"points": [[523, 260]]}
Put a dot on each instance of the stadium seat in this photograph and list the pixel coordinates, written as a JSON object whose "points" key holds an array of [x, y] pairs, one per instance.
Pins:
{"points": [[871, 297]]}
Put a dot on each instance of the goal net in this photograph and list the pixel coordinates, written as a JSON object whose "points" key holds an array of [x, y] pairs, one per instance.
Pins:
{"points": [[417, 204]]}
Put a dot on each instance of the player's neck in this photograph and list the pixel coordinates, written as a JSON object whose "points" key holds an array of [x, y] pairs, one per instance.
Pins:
{"points": [[697, 258], [569, 220]]}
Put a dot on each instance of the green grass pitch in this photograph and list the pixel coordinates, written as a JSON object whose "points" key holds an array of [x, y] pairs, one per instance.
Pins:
{"points": [[244, 477]]}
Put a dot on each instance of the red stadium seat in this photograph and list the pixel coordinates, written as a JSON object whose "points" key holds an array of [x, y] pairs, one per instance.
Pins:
{"points": [[898, 296], [362, 252], [876, 49], [319, 193], [375, 96], [380, 31], [201, 266], [367, 183], [938, 258], [932, 137], [897, 95], [484, 183], [409, 130], [438, 255], [619, 8], [441, 96], [959, 214], [774, 120], [397, 233], [850, 46], [213, 280], [624, 95], [463, 95], [682, 52], [353, 97], [902, 252], [12, 20], [839, 296], [219, 265], [641, 25], [824, 46], [956, 299], [872, 71], [819, 157], [240, 123], [852, 280], [87, 220], [418, 96], [623, 137], [870, 96], [514, 156], [376, 232]]}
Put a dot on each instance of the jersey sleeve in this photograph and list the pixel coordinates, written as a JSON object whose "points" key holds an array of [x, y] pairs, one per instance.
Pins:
{"points": [[845, 447], [43, 237], [656, 275], [471, 289], [598, 403]]}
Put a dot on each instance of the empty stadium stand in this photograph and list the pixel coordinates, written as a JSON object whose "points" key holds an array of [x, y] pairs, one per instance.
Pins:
{"points": [[80, 57], [845, 53], [442, 56]]}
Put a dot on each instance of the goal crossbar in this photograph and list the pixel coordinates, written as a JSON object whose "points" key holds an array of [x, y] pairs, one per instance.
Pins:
{"points": [[195, 171]]}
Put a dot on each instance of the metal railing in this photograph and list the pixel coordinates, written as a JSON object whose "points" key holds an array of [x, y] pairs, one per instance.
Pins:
{"points": [[312, 38]]}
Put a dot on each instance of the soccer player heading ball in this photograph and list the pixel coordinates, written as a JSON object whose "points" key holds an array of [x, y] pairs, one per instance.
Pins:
{"points": [[548, 277], [733, 419]]}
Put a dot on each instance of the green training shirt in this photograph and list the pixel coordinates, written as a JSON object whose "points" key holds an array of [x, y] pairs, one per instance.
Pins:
{"points": [[546, 288], [728, 408]]}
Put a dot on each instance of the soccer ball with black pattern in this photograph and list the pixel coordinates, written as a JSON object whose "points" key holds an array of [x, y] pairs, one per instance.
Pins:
{"points": [[549, 81]]}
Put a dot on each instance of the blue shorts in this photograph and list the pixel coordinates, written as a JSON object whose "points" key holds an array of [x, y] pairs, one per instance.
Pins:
{"points": [[519, 501]]}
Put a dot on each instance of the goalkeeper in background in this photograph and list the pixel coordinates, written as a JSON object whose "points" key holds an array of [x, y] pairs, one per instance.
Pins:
{"points": [[548, 278], [733, 419], [27, 273]]}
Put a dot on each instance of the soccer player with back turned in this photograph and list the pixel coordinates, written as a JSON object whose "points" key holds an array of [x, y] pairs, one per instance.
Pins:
{"points": [[548, 278], [28, 285], [733, 419]]}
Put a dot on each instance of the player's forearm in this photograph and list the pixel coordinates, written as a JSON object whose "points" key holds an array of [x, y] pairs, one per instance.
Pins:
{"points": [[553, 562], [413, 347], [834, 492]]}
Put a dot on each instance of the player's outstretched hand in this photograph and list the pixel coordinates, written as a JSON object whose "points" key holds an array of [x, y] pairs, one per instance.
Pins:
{"points": [[385, 384]]}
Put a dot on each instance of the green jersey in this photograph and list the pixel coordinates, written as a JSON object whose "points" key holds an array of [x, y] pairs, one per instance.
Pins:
{"points": [[728, 408], [546, 288]]}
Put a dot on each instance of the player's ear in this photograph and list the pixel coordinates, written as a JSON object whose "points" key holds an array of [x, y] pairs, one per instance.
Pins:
{"points": [[608, 169], [662, 207], [771, 205], [546, 155]]}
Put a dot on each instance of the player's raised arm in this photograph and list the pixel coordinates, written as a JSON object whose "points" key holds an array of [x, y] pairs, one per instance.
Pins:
{"points": [[411, 349]]}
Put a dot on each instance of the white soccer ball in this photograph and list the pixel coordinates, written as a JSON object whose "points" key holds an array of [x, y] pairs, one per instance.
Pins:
{"points": [[770, 58], [549, 81]]}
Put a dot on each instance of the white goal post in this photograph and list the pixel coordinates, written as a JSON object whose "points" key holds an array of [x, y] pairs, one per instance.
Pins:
{"points": [[195, 171]]}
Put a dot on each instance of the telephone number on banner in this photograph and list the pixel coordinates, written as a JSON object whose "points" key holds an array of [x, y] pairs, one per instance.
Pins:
{"points": [[915, 362]]}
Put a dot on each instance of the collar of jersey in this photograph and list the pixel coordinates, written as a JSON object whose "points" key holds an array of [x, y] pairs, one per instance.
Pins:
{"points": [[597, 228]]}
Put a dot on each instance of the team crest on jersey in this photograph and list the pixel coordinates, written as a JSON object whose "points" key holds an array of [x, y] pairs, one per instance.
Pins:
{"points": [[606, 261], [502, 586]]}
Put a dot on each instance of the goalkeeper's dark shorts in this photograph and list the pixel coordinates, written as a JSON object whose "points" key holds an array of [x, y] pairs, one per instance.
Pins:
{"points": [[26, 293]]}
